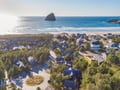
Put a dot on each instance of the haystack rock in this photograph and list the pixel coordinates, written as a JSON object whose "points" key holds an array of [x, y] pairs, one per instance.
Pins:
{"points": [[50, 17], [114, 21]]}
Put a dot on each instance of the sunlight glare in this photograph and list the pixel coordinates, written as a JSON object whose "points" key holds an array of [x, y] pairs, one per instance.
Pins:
{"points": [[7, 23]]}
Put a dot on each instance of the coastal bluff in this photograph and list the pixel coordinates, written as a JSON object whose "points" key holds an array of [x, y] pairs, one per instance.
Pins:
{"points": [[114, 21], [50, 17]]}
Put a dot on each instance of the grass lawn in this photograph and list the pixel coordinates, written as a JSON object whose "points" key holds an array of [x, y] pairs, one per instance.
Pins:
{"points": [[35, 80]]}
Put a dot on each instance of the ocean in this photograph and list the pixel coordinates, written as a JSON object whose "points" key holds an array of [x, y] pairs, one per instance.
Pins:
{"points": [[36, 25]]}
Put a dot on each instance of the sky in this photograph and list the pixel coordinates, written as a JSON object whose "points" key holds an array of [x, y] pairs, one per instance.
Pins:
{"points": [[61, 7]]}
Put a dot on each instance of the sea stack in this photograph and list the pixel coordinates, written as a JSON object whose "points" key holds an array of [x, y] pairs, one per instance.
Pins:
{"points": [[114, 21], [50, 17]]}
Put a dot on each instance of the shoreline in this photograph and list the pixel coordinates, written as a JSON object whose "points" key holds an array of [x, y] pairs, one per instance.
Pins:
{"points": [[45, 34], [99, 33]]}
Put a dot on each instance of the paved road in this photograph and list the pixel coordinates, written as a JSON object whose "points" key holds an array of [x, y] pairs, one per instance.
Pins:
{"points": [[43, 86]]}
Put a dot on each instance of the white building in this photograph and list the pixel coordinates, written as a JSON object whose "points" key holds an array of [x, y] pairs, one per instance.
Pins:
{"points": [[95, 45], [32, 60]]}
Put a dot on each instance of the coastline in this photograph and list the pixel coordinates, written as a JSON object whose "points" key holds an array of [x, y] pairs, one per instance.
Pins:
{"points": [[52, 34], [99, 33]]}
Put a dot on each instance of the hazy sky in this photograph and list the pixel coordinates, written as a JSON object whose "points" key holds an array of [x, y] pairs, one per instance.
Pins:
{"points": [[61, 7]]}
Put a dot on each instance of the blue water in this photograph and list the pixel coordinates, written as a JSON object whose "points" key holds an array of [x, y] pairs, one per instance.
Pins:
{"points": [[34, 25]]}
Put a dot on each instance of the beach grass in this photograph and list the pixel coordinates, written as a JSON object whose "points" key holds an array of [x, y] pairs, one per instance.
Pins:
{"points": [[34, 80]]}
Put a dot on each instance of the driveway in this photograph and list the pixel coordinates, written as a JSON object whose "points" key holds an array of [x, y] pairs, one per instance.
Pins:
{"points": [[43, 85]]}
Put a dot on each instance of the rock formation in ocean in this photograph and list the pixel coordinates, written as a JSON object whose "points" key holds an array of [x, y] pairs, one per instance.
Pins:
{"points": [[50, 17], [114, 21]]}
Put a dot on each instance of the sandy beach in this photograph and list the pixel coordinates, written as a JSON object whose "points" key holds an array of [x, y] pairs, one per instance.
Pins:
{"points": [[88, 33], [53, 34], [100, 33]]}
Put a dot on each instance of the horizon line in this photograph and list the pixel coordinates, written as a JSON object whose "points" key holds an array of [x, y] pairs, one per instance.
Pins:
{"points": [[63, 16]]}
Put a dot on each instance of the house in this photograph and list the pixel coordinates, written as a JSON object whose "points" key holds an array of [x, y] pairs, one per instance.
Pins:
{"points": [[64, 46], [119, 45], [2, 83], [107, 47], [55, 44], [60, 61], [73, 35], [65, 53], [79, 55], [28, 47], [115, 46], [96, 36], [83, 35], [116, 35], [68, 64], [71, 85], [15, 48], [79, 41], [78, 35], [107, 53], [95, 45], [73, 73], [104, 56], [19, 63], [32, 60], [109, 41], [83, 45], [19, 47], [109, 34], [99, 58], [59, 38], [5, 48]]}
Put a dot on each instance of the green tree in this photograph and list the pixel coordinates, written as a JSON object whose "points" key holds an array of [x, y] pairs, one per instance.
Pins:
{"points": [[67, 57], [87, 38], [92, 70], [88, 47], [14, 88], [118, 55], [80, 64], [91, 86], [103, 81], [102, 48], [112, 50], [115, 81], [112, 59], [1, 70], [116, 39], [38, 88], [14, 71], [103, 68]]}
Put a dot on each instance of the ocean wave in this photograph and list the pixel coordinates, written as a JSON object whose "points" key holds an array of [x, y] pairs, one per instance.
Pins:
{"points": [[66, 29], [80, 28]]}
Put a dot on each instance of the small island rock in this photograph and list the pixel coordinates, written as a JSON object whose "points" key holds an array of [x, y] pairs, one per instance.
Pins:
{"points": [[50, 17], [114, 21]]}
